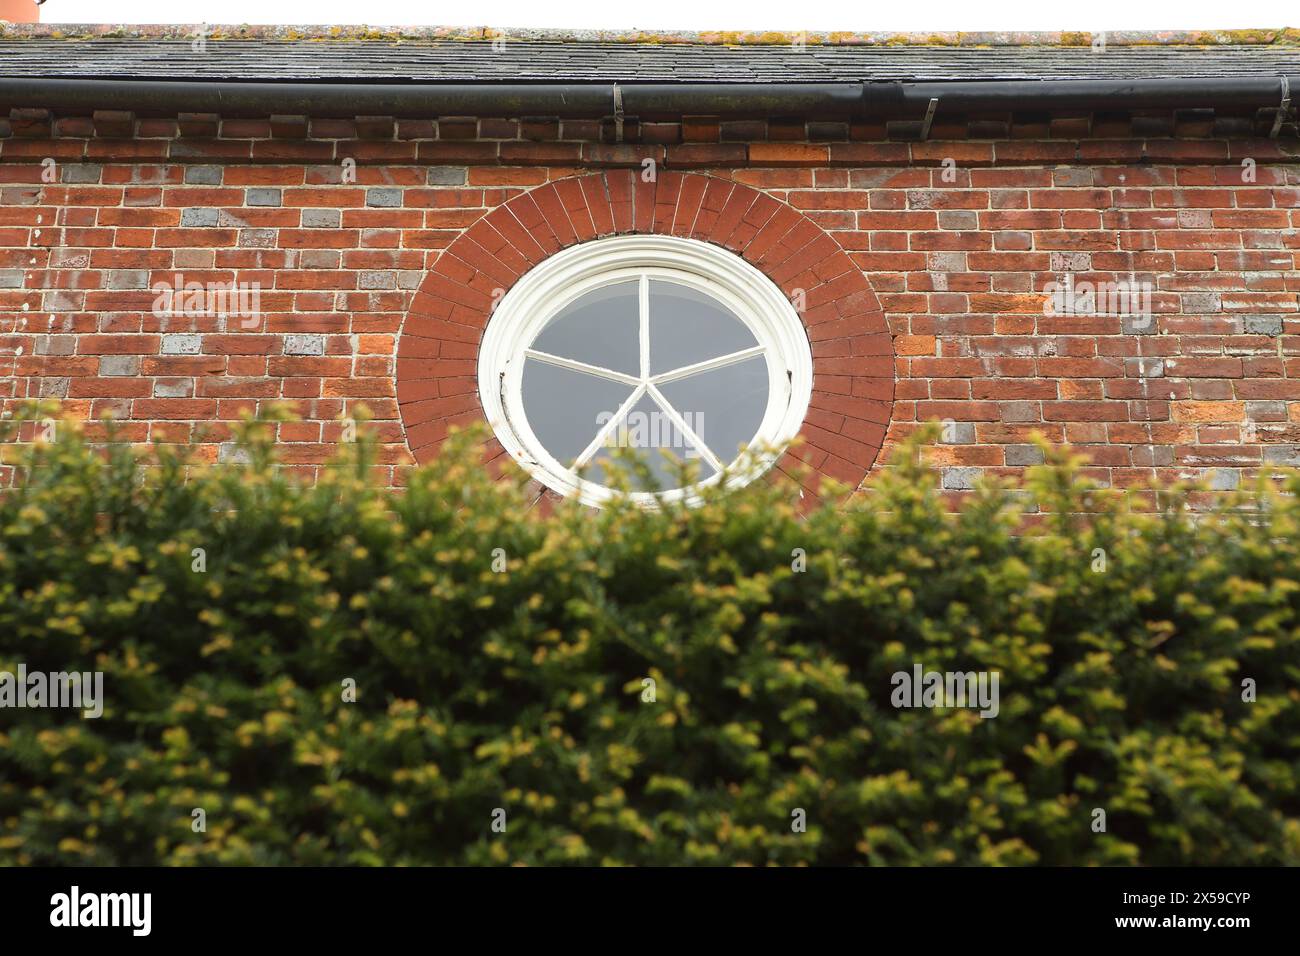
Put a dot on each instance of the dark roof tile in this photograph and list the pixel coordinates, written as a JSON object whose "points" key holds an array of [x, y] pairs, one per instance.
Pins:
{"points": [[422, 56]]}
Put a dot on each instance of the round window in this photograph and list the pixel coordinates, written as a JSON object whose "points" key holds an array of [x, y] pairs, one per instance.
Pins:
{"points": [[670, 347]]}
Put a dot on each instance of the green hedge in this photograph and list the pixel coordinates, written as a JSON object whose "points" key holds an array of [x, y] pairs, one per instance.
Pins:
{"points": [[1120, 689]]}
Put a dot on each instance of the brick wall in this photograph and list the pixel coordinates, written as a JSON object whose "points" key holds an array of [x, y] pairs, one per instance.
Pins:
{"points": [[955, 241]]}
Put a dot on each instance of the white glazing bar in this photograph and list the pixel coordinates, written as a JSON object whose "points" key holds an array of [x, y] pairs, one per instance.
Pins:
{"points": [[722, 361], [680, 423], [608, 427], [645, 325], [576, 366]]}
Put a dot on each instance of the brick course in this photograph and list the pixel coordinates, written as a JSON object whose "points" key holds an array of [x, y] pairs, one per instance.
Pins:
{"points": [[925, 267]]}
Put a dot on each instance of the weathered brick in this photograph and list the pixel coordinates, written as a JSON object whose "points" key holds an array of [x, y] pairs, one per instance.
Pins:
{"points": [[960, 479], [181, 344], [957, 433], [199, 217], [446, 175], [262, 196], [128, 279], [119, 365], [1023, 455], [1225, 479], [203, 175], [922, 292], [1262, 324], [53, 386], [173, 388], [1283, 455], [376, 280], [82, 173], [384, 198], [304, 345], [321, 218]]}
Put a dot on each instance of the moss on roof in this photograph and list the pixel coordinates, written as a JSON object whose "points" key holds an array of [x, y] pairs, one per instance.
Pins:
{"points": [[1280, 36]]}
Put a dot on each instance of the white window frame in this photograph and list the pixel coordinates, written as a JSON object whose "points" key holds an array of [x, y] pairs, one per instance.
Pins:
{"points": [[535, 299]]}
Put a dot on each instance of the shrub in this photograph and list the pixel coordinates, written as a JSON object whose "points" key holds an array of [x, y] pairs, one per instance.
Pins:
{"points": [[526, 689]]}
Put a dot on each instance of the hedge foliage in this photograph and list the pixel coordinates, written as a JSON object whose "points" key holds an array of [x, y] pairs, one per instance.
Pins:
{"points": [[524, 689]]}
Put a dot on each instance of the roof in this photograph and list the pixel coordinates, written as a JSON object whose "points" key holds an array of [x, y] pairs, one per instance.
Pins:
{"points": [[464, 55]]}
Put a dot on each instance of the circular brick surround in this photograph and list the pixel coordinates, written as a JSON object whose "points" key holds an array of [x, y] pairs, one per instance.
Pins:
{"points": [[853, 366]]}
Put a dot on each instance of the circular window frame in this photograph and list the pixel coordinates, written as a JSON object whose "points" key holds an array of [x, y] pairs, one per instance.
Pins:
{"points": [[524, 311]]}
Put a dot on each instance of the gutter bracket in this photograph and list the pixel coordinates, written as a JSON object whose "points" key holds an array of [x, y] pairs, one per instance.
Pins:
{"points": [[618, 114], [929, 118], [1282, 109]]}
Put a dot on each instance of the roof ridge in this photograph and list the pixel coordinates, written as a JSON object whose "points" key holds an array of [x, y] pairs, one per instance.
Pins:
{"points": [[1279, 36]]}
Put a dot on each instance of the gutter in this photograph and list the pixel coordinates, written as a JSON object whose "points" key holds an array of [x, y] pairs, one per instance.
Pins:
{"points": [[893, 98]]}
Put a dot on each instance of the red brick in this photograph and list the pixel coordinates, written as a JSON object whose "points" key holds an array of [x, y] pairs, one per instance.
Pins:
{"points": [[914, 310]]}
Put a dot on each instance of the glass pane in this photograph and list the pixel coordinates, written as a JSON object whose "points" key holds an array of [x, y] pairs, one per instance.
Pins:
{"points": [[687, 326], [724, 406], [602, 327], [649, 432], [566, 408]]}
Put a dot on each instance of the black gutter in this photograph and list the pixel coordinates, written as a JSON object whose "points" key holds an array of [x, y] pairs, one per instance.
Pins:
{"points": [[870, 98]]}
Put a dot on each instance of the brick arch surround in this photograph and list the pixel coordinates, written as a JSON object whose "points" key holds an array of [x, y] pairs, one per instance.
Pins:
{"points": [[853, 366]]}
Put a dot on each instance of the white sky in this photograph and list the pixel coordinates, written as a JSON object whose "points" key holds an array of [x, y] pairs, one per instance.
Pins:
{"points": [[855, 15]]}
